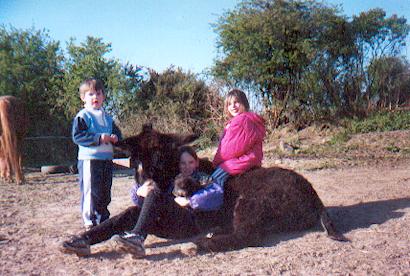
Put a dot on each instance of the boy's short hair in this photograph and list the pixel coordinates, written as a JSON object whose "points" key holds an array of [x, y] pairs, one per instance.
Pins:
{"points": [[91, 84]]}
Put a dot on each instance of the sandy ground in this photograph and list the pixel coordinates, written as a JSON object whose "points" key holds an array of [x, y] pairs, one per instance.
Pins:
{"points": [[370, 205]]}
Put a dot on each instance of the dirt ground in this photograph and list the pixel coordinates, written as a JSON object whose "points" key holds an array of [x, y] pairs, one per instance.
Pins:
{"points": [[369, 201]]}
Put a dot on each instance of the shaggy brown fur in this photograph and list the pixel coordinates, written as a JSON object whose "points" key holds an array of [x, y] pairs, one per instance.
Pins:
{"points": [[13, 124], [157, 153], [260, 202], [265, 201]]}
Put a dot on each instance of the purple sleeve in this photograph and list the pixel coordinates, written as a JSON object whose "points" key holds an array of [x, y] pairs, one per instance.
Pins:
{"points": [[137, 200], [208, 199]]}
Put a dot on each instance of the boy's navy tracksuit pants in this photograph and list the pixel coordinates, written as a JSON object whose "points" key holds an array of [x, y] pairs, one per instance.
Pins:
{"points": [[95, 177]]}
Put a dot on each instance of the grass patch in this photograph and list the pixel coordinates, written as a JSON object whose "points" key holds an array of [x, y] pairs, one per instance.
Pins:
{"points": [[377, 122], [392, 148], [340, 138], [382, 121]]}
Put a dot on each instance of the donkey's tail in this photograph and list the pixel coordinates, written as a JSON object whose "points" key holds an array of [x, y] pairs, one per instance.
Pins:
{"points": [[9, 140], [330, 227]]}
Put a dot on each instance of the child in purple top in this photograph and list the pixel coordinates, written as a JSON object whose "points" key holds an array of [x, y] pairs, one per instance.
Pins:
{"points": [[209, 198]]}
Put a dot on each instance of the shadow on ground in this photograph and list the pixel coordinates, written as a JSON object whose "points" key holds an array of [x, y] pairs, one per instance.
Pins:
{"points": [[348, 218], [365, 214]]}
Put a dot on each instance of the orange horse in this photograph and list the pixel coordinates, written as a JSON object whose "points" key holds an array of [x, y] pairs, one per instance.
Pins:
{"points": [[13, 128]]}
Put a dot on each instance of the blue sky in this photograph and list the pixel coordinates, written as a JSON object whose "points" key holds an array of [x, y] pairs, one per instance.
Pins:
{"points": [[152, 33]]}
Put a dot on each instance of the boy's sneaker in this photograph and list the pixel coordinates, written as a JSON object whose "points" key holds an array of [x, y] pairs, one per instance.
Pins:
{"points": [[131, 243], [76, 245]]}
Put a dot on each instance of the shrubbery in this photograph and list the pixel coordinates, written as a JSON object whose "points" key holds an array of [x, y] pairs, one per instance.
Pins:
{"points": [[179, 103], [381, 121], [376, 122]]}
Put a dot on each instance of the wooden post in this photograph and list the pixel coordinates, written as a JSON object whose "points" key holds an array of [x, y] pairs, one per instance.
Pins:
{"points": [[124, 163]]}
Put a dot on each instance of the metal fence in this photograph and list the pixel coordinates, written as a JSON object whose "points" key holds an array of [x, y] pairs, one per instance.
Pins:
{"points": [[49, 150]]}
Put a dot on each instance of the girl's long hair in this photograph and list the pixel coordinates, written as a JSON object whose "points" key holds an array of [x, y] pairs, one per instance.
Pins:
{"points": [[187, 149]]}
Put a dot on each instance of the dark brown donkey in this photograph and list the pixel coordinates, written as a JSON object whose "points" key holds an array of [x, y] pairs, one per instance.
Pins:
{"points": [[256, 204]]}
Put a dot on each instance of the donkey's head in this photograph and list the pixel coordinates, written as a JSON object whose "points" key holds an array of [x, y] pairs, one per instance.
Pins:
{"points": [[156, 152]]}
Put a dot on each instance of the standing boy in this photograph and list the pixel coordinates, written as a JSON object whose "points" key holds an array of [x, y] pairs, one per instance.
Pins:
{"points": [[94, 131]]}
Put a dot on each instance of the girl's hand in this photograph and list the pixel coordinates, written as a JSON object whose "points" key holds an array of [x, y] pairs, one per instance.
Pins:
{"points": [[144, 190], [182, 201]]}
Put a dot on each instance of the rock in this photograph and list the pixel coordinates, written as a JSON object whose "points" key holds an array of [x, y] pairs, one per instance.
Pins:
{"points": [[285, 147]]}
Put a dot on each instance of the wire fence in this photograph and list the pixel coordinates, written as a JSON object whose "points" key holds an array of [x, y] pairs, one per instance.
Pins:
{"points": [[49, 150], [47, 138]]}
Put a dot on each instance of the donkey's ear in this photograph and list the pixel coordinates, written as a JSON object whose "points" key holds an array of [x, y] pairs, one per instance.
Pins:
{"points": [[179, 140], [185, 139], [128, 143]]}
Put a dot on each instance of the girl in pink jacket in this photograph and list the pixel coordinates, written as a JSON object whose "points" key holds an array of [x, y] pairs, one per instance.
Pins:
{"points": [[240, 147]]}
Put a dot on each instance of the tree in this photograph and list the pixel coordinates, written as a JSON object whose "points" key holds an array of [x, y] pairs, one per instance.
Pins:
{"points": [[377, 38], [126, 94], [302, 58], [122, 82], [270, 45], [390, 86], [31, 69], [85, 61]]}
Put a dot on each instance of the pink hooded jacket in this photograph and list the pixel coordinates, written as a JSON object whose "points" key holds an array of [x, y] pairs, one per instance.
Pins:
{"points": [[240, 147]]}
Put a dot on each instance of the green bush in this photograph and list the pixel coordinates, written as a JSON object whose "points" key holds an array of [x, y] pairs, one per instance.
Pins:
{"points": [[377, 122], [382, 121]]}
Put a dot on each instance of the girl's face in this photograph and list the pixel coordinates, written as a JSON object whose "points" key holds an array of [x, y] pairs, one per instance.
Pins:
{"points": [[235, 107], [187, 164], [93, 99]]}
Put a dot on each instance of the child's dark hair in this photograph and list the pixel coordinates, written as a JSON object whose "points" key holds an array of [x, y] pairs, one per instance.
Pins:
{"points": [[91, 84], [240, 96], [187, 149]]}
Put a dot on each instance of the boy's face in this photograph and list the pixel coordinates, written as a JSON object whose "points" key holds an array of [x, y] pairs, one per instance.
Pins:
{"points": [[93, 99]]}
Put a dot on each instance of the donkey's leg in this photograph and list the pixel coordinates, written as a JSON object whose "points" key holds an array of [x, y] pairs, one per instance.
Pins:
{"points": [[3, 168], [9, 172], [19, 170]]}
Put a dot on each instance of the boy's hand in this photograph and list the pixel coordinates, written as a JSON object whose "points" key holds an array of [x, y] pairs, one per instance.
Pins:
{"points": [[114, 138], [105, 138]]}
